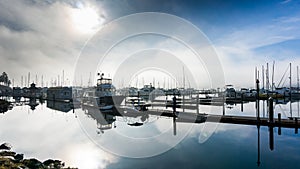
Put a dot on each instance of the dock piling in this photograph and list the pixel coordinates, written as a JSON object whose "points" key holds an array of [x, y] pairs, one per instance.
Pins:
{"points": [[183, 102], [224, 101], [279, 123], [296, 125], [271, 110], [174, 126], [271, 138], [174, 104], [257, 99], [197, 103]]}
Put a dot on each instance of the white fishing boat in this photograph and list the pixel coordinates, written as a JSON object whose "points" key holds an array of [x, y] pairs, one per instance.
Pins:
{"points": [[102, 95]]}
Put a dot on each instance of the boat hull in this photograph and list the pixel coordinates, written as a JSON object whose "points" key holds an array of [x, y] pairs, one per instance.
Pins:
{"points": [[111, 100]]}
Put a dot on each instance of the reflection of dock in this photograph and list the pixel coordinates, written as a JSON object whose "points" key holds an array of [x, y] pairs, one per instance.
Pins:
{"points": [[62, 106], [188, 117], [178, 115], [244, 120]]}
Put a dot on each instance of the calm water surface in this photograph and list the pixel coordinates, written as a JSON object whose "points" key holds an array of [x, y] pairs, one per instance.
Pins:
{"points": [[72, 136]]}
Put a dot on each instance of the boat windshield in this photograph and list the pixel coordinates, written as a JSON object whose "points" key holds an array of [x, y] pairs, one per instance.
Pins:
{"points": [[104, 81]]}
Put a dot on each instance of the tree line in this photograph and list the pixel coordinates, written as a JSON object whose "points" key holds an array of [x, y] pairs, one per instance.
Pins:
{"points": [[4, 80]]}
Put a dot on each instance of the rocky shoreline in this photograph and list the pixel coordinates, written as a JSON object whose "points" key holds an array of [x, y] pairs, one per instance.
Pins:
{"points": [[11, 159]]}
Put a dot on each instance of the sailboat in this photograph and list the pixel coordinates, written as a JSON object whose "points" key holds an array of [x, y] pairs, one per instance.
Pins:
{"points": [[295, 92]]}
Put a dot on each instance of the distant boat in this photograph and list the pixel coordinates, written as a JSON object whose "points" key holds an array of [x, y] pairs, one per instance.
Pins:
{"points": [[138, 103], [59, 94], [283, 91], [146, 90]]}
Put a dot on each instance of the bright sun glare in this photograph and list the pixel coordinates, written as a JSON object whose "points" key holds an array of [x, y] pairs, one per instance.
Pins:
{"points": [[86, 159], [86, 19]]}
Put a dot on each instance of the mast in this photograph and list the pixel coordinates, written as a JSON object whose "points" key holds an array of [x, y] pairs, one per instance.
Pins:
{"points": [[263, 77], [42, 83], [183, 77], [298, 87], [36, 79], [58, 81], [153, 82], [273, 76], [297, 78], [63, 78], [28, 79], [290, 80], [22, 81], [25, 82], [137, 81], [89, 82], [267, 77], [291, 90], [255, 73]]}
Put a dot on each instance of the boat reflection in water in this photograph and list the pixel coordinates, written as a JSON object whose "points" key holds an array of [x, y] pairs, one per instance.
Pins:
{"points": [[104, 120], [60, 106], [4, 106], [33, 103]]}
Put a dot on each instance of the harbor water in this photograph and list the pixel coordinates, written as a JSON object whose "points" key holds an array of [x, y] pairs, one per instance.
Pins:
{"points": [[57, 131]]}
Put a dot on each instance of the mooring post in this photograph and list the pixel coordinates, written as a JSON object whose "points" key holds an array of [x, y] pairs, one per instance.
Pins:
{"points": [[257, 99], [183, 102], [279, 123], [271, 138], [174, 126], [271, 110], [242, 106], [166, 101], [258, 145], [242, 102], [257, 89], [139, 98], [174, 104], [271, 121], [224, 102], [197, 103]]}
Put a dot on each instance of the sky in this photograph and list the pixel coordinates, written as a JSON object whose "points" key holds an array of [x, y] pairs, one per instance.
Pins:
{"points": [[49, 37]]}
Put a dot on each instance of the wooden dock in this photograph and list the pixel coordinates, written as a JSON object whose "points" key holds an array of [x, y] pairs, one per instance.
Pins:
{"points": [[188, 117]]}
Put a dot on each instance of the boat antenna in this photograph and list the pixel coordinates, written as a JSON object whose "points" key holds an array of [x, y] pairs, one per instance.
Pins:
{"points": [[183, 77]]}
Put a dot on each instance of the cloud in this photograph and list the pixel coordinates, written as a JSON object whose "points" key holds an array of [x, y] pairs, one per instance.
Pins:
{"points": [[43, 137], [255, 45], [39, 37], [285, 1]]}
